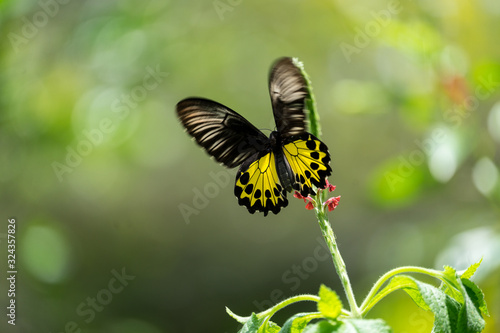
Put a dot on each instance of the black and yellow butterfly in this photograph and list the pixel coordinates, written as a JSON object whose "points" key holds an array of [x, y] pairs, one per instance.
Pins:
{"points": [[290, 159]]}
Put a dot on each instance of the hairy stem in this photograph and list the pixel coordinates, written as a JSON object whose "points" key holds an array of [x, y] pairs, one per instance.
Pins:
{"points": [[314, 125], [271, 311], [338, 262], [326, 229]]}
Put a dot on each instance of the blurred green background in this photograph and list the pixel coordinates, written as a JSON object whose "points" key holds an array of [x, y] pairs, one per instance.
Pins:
{"points": [[103, 181]]}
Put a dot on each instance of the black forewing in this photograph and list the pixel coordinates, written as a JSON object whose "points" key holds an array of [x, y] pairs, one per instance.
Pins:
{"points": [[288, 90], [224, 134]]}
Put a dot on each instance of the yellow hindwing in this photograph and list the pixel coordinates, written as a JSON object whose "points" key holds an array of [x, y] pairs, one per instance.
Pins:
{"points": [[258, 187], [310, 162]]}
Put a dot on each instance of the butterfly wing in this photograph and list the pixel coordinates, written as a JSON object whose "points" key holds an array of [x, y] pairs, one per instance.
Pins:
{"points": [[309, 160], [258, 186], [233, 141], [222, 132], [306, 155], [288, 90]]}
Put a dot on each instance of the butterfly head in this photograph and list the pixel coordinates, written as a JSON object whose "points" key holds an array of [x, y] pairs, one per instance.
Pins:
{"points": [[274, 138]]}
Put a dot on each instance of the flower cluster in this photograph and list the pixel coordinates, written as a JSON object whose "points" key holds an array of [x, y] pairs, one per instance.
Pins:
{"points": [[331, 203]]}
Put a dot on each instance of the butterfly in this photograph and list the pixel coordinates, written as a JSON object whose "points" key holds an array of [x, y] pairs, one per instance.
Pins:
{"points": [[289, 159]]}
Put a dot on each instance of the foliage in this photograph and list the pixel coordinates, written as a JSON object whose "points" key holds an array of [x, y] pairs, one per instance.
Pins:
{"points": [[457, 304]]}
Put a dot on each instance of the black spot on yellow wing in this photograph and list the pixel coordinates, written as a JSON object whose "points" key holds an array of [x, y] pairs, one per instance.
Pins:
{"points": [[258, 187], [310, 162]]}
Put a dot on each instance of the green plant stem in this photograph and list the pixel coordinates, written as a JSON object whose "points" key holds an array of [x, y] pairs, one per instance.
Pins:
{"points": [[368, 304], [326, 229], [286, 302], [271, 311], [314, 124], [338, 262]]}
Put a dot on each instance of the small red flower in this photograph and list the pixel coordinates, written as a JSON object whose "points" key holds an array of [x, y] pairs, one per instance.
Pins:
{"points": [[332, 203], [329, 186], [299, 196], [310, 205]]}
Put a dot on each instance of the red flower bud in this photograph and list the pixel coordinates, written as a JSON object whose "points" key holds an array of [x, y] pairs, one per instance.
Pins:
{"points": [[332, 203], [310, 206]]}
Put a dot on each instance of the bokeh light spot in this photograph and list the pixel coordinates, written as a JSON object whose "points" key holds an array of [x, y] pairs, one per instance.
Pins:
{"points": [[485, 176], [46, 253], [443, 159], [494, 122]]}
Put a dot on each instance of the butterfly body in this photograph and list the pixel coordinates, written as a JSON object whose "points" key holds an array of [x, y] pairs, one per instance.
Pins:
{"points": [[290, 159], [285, 173]]}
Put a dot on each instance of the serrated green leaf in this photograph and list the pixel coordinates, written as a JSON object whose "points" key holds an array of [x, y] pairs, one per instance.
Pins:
{"points": [[363, 326], [409, 285], [451, 274], [469, 320], [444, 307], [252, 325], [329, 304], [476, 295], [452, 292], [270, 327], [297, 323], [399, 282], [349, 326], [469, 272], [322, 327]]}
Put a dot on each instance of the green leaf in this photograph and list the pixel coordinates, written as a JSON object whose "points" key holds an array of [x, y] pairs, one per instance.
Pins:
{"points": [[349, 326], [363, 326], [322, 327], [451, 274], [476, 295], [469, 320], [428, 297], [409, 285], [444, 307], [270, 327], [469, 272], [252, 325], [398, 282], [297, 323], [329, 304], [452, 292], [456, 313]]}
